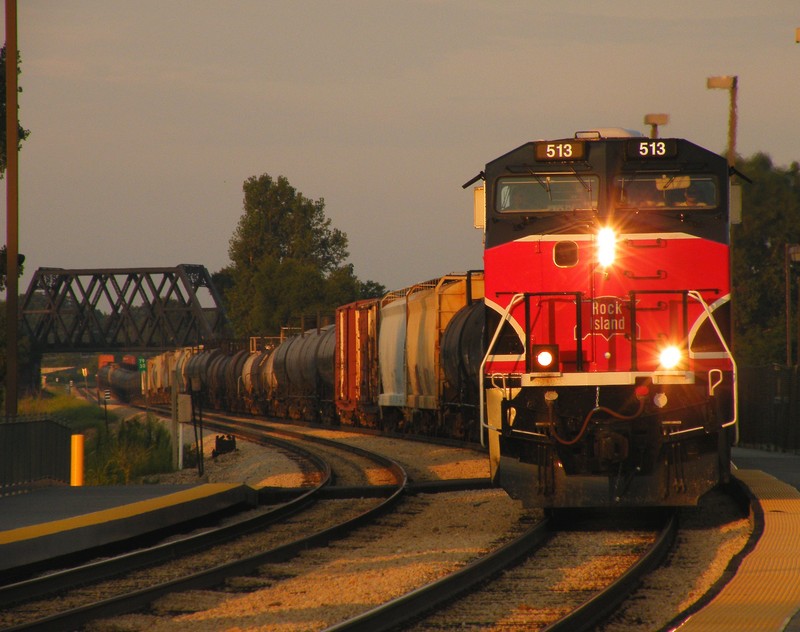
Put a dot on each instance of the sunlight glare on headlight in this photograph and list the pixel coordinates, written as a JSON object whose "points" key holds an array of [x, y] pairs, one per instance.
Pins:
{"points": [[670, 357], [544, 359], [606, 245]]}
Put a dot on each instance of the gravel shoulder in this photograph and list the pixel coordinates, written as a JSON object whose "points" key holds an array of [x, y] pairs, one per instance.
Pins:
{"points": [[366, 571]]}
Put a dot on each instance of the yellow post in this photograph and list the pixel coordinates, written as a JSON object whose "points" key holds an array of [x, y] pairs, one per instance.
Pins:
{"points": [[76, 469]]}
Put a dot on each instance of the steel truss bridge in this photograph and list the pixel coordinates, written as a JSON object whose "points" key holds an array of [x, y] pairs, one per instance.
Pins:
{"points": [[129, 309]]}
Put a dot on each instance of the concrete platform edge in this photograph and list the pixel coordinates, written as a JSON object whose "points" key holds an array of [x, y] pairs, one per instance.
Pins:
{"points": [[84, 533]]}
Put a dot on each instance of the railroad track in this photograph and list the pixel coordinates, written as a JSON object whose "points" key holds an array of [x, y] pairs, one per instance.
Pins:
{"points": [[408, 602], [521, 562], [570, 582], [252, 548]]}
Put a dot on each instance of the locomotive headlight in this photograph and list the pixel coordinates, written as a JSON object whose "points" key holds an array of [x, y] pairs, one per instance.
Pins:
{"points": [[544, 358], [670, 357], [606, 246]]}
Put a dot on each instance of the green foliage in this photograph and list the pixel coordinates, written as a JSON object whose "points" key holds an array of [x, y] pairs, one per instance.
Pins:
{"points": [[770, 220], [22, 133], [78, 414], [25, 355], [280, 223], [133, 448], [286, 260], [137, 448], [371, 289], [4, 267], [189, 456]]}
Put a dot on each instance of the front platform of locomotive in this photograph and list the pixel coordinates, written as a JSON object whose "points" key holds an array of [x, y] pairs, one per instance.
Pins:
{"points": [[608, 379]]}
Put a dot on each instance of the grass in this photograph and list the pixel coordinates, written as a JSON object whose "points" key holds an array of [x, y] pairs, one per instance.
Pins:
{"points": [[117, 451], [80, 415], [137, 447]]}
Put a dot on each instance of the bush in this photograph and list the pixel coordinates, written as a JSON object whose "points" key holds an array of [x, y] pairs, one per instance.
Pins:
{"points": [[137, 448], [117, 452]]}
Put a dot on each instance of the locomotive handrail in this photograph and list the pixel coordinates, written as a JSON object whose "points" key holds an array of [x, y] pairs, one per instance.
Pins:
{"points": [[695, 294], [577, 297], [578, 325], [684, 313], [481, 403]]}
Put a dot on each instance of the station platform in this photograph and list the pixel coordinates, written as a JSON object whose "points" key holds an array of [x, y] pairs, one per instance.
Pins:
{"points": [[764, 594], [58, 522]]}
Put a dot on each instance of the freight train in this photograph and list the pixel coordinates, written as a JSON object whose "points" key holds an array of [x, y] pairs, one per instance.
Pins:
{"points": [[592, 353], [608, 379], [405, 362]]}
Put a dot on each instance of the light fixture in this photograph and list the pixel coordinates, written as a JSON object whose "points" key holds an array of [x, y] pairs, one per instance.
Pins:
{"points": [[670, 357], [606, 246], [654, 120], [544, 358]]}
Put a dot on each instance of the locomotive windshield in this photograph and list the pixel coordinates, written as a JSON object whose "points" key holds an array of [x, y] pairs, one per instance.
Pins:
{"points": [[547, 192], [642, 191]]}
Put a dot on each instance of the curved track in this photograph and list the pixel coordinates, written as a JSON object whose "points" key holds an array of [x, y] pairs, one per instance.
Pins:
{"points": [[28, 615], [420, 603]]}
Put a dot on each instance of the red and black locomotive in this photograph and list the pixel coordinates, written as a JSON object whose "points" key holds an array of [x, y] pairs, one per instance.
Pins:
{"points": [[608, 378]]}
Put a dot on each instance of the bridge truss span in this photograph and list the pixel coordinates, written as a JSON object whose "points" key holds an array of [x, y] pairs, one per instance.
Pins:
{"points": [[124, 309]]}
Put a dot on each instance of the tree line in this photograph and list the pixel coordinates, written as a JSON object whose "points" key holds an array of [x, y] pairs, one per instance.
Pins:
{"points": [[770, 222]]}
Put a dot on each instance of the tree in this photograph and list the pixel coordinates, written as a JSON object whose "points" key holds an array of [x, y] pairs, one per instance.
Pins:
{"points": [[371, 289], [280, 222], [771, 219], [4, 266], [22, 132], [286, 260]]}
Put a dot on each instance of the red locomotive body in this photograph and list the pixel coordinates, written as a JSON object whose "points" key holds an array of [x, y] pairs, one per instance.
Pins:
{"points": [[609, 379]]}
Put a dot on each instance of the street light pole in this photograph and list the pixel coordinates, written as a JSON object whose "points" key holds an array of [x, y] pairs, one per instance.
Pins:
{"points": [[12, 215], [730, 83], [791, 254]]}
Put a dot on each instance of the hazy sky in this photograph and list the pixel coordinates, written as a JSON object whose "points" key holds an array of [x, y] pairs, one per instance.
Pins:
{"points": [[147, 116]]}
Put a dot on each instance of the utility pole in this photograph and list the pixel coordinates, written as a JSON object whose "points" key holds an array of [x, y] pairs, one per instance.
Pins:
{"points": [[12, 212]]}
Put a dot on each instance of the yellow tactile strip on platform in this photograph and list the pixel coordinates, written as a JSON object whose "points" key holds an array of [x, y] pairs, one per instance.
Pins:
{"points": [[116, 513], [765, 592]]}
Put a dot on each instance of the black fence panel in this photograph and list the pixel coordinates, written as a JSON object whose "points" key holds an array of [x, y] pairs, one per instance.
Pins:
{"points": [[769, 411], [33, 452]]}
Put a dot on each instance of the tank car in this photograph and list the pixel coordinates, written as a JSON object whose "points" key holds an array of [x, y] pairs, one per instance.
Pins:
{"points": [[251, 391], [123, 382], [299, 376], [167, 371], [608, 378]]}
